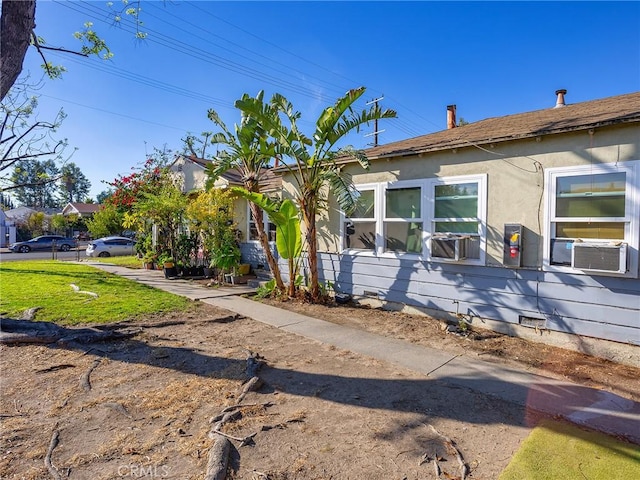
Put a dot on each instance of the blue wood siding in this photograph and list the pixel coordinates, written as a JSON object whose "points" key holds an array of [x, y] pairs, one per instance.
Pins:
{"points": [[253, 254], [594, 306]]}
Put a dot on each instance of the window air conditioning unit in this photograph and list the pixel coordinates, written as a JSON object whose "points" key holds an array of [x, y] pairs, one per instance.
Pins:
{"points": [[449, 248], [599, 257]]}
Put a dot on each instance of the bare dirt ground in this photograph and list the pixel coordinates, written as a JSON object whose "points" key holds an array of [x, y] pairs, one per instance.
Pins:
{"points": [[489, 346], [142, 407]]}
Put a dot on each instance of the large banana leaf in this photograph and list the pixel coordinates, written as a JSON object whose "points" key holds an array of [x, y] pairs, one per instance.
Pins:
{"points": [[284, 216]]}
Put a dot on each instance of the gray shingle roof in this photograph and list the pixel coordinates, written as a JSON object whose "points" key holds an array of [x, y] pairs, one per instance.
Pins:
{"points": [[86, 207], [572, 117]]}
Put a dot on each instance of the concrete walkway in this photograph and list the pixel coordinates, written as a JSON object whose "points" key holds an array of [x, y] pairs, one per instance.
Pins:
{"points": [[586, 406]]}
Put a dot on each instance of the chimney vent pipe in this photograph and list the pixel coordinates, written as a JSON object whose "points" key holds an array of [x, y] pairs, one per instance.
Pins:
{"points": [[560, 100], [451, 117]]}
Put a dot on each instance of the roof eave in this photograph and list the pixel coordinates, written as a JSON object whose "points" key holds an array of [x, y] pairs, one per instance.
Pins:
{"points": [[461, 143]]}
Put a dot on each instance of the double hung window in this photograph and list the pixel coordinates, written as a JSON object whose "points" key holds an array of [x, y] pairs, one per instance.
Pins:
{"points": [[403, 222], [269, 228], [360, 228], [595, 205], [458, 213]]}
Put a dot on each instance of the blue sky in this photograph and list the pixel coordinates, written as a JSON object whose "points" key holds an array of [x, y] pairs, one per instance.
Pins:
{"points": [[488, 58]]}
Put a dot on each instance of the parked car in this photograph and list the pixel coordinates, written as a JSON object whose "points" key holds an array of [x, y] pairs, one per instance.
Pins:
{"points": [[111, 246], [82, 236], [44, 242]]}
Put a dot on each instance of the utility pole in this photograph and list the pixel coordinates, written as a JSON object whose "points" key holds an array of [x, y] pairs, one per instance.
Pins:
{"points": [[375, 124]]}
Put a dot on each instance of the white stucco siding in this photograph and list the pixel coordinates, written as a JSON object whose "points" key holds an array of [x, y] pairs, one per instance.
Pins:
{"points": [[240, 217]]}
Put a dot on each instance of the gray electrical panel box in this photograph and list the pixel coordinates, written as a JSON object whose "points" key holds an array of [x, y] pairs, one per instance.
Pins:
{"points": [[512, 256]]}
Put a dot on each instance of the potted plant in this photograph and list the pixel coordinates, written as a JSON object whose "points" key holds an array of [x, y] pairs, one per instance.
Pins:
{"points": [[169, 262], [226, 256], [184, 247], [169, 267], [207, 247], [149, 260]]}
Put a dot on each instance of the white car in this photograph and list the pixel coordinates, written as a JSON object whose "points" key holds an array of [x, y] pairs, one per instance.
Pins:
{"points": [[111, 246]]}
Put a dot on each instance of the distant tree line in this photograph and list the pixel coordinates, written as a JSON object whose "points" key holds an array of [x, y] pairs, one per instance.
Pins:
{"points": [[6, 203], [41, 184]]}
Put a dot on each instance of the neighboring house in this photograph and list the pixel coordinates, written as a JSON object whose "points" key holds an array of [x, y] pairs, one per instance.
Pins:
{"points": [[83, 210], [7, 230], [191, 171], [18, 218], [20, 215], [528, 220]]}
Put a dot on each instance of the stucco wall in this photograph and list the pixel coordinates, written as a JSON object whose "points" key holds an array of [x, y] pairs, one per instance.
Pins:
{"points": [[515, 180], [602, 307]]}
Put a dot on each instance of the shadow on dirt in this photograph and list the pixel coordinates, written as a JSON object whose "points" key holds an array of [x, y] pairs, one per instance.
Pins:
{"points": [[479, 398]]}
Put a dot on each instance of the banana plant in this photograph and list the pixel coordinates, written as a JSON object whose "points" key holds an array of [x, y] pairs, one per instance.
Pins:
{"points": [[314, 165], [249, 150], [286, 217]]}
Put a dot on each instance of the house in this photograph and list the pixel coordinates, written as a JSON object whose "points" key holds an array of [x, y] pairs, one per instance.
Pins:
{"points": [[526, 224], [83, 210], [16, 221], [20, 214], [7, 230], [191, 173]]}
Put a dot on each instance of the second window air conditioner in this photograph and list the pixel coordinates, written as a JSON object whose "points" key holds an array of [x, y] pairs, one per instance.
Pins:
{"points": [[599, 257], [450, 248]]}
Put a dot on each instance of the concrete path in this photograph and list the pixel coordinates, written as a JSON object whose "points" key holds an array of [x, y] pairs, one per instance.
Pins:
{"points": [[586, 406]]}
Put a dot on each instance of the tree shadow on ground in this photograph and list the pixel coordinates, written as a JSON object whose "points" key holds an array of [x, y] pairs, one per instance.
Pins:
{"points": [[480, 398]]}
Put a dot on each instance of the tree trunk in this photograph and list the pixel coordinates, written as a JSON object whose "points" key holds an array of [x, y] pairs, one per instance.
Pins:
{"points": [[312, 242], [264, 241], [18, 22]]}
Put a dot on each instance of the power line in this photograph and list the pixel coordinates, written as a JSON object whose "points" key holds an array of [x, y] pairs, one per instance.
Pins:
{"points": [[200, 54], [179, 46], [114, 113], [110, 69]]}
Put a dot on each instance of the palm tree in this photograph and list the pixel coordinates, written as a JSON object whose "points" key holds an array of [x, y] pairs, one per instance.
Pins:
{"points": [[314, 159], [249, 151]]}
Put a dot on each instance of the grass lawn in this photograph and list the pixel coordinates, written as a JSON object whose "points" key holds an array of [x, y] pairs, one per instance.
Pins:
{"points": [[557, 450], [47, 284], [129, 261]]}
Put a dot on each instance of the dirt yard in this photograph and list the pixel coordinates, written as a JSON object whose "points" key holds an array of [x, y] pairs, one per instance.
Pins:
{"points": [[142, 407], [489, 346]]}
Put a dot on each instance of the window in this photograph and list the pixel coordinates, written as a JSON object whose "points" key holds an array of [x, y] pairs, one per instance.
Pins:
{"points": [[596, 205], [117, 241], [388, 218], [458, 217], [587, 206], [403, 220], [360, 228], [269, 228], [397, 218]]}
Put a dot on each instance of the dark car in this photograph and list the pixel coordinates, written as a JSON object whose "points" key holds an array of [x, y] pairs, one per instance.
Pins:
{"points": [[44, 242]]}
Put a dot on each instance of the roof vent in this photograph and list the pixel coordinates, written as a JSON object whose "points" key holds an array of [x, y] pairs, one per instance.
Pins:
{"points": [[560, 100], [451, 117]]}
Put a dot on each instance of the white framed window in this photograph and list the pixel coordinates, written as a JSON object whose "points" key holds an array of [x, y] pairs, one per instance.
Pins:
{"points": [[360, 228], [269, 227], [403, 221], [457, 218], [398, 218], [388, 219], [592, 219]]}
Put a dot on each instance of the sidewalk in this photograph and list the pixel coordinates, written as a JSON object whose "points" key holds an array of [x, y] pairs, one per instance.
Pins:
{"points": [[597, 409]]}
